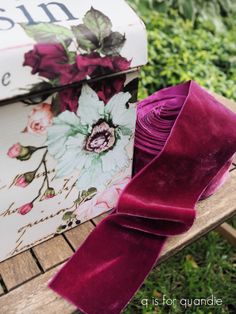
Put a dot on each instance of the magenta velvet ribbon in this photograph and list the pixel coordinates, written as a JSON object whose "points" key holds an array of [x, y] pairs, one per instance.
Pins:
{"points": [[185, 140]]}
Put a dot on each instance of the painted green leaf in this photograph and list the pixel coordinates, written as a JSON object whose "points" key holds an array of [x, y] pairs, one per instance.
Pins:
{"points": [[126, 131], [98, 23], [36, 97], [56, 105], [68, 215], [78, 201], [47, 32], [85, 38], [86, 195], [113, 44], [29, 176], [72, 56], [92, 191], [60, 229]]}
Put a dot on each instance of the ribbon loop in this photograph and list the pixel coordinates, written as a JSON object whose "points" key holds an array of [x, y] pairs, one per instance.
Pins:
{"points": [[184, 145]]}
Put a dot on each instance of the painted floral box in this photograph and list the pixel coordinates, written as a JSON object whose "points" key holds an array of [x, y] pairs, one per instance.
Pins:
{"points": [[68, 86]]}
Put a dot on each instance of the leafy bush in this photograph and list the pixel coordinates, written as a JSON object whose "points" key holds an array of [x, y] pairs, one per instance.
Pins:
{"points": [[179, 52], [207, 11]]}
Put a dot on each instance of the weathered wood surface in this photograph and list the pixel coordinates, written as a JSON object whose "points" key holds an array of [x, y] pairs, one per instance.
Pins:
{"points": [[34, 296], [1, 290], [77, 235], [19, 269], [228, 232], [52, 252]]}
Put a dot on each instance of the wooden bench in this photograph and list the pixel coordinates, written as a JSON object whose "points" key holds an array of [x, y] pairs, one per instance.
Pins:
{"points": [[23, 278]]}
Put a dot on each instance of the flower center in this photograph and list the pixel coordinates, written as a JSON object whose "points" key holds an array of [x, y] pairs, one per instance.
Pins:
{"points": [[101, 139]]}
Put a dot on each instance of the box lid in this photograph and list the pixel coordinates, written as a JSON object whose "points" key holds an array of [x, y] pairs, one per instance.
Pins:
{"points": [[48, 44]]}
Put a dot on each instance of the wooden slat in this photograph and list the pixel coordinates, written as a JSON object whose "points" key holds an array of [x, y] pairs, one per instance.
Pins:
{"points": [[18, 269], [52, 252], [228, 232], [100, 218], [35, 297], [227, 102], [1, 290], [77, 235], [211, 213]]}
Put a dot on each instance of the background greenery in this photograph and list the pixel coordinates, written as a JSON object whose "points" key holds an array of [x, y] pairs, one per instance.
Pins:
{"points": [[181, 48], [191, 39]]}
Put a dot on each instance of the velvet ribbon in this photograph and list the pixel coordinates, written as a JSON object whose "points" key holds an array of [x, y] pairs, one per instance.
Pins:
{"points": [[185, 140]]}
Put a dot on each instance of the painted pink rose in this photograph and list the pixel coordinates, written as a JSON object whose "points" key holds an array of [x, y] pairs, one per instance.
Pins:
{"points": [[47, 59], [21, 181], [40, 119], [14, 151], [104, 201], [25, 209], [108, 199]]}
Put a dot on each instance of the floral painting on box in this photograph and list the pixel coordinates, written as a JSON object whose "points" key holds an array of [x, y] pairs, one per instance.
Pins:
{"points": [[86, 130], [63, 56], [92, 140]]}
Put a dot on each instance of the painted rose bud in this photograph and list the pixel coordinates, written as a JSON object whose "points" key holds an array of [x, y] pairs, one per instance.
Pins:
{"points": [[25, 209], [25, 179], [21, 152], [15, 150], [49, 193]]}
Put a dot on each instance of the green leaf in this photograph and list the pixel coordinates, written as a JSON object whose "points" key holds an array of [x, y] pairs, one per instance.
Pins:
{"points": [[60, 229], [113, 44], [56, 105], [85, 38], [98, 23], [36, 95], [92, 191], [126, 131], [47, 32], [225, 5], [78, 201], [72, 56], [29, 176], [187, 9], [86, 195], [68, 215]]}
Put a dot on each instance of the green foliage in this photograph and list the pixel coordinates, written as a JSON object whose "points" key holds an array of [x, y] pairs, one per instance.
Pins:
{"points": [[203, 269], [209, 11], [178, 52]]}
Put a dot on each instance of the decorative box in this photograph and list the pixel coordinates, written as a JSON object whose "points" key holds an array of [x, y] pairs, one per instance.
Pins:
{"points": [[68, 87]]}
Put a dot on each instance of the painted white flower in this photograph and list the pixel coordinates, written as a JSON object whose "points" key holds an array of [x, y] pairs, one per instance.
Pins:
{"points": [[93, 140]]}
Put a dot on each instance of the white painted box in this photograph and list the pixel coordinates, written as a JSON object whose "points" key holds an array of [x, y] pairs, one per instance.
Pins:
{"points": [[68, 87]]}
